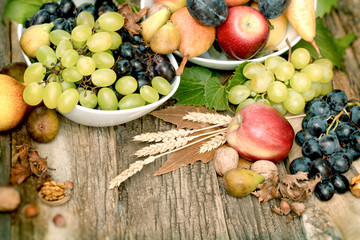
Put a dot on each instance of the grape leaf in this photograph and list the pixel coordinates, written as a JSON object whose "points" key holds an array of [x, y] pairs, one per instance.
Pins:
{"points": [[192, 86], [216, 95], [324, 7], [19, 10], [330, 48], [237, 78]]}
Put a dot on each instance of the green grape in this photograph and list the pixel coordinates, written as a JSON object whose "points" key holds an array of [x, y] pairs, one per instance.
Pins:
{"points": [[56, 36], [86, 66], [79, 45], [69, 58], [100, 42], [68, 100], [133, 100], [34, 73], [46, 56], [117, 40], [107, 99], [300, 82], [88, 99], [277, 92], [272, 62], [280, 107], [317, 88], [103, 77], [252, 69], [309, 94], [63, 46], [328, 74], [71, 74], [261, 81], [294, 103], [81, 33], [238, 93], [103, 60], [314, 71], [33, 93], [149, 94], [126, 85], [325, 63], [161, 85], [247, 84], [245, 103], [326, 88], [263, 101], [85, 18], [284, 71], [53, 78], [66, 85], [52, 92], [111, 21], [300, 58]]}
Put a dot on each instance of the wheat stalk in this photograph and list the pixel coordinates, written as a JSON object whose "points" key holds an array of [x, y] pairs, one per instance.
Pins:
{"points": [[159, 136], [210, 118], [138, 165], [213, 143]]}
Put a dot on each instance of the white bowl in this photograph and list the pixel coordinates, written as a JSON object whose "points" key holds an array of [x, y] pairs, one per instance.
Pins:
{"points": [[223, 62], [102, 118]]}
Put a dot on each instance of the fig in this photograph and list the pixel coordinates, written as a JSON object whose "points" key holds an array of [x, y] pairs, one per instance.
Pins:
{"points": [[35, 37], [240, 182], [42, 124], [166, 40]]}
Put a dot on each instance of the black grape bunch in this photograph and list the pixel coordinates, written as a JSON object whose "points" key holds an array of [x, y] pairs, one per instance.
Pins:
{"points": [[330, 142]]}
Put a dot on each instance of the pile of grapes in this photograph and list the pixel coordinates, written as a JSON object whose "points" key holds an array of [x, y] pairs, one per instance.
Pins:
{"points": [[285, 85], [330, 142], [93, 61]]}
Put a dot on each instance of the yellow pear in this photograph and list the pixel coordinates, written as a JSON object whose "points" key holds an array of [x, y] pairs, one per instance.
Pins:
{"points": [[13, 109]]}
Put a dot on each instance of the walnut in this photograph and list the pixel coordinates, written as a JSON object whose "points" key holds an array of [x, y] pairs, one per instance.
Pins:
{"points": [[355, 186], [265, 168], [55, 193], [225, 159]]}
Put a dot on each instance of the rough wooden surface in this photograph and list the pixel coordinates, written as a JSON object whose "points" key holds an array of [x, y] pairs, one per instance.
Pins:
{"points": [[189, 203]]}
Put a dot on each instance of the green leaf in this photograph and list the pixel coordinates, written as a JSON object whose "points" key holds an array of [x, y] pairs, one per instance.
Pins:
{"points": [[330, 48], [192, 86], [19, 10], [237, 78], [216, 95], [324, 7]]}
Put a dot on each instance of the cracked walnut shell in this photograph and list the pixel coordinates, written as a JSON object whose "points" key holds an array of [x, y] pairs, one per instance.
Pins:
{"points": [[355, 186]]}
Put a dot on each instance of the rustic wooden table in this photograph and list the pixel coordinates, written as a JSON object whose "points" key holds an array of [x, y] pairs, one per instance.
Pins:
{"points": [[189, 203]]}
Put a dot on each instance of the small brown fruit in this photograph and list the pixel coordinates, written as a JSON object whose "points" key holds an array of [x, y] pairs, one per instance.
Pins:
{"points": [[225, 159], [59, 220], [30, 210], [42, 124], [9, 199]]}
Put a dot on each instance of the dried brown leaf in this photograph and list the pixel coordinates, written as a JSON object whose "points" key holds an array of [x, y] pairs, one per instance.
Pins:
{"points": [[19, 174], [21, 155], [297, 207], [131, 18], [263, 193], [175, 114], [185, 157], [38, 165]]}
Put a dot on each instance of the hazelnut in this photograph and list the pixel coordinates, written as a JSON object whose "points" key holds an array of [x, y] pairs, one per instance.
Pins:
{"points": [[225, 159], [69, 185], [59, 220], [265, 168], [30, 210]]}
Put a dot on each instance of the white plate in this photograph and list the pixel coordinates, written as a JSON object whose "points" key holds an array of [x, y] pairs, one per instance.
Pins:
{"points": [[225, 63]]}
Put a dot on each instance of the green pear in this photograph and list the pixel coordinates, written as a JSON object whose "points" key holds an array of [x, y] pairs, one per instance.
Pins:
{"points": [[153, 23], [240, 182]]}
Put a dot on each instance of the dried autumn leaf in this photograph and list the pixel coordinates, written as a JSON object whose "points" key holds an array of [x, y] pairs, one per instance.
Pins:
{"points": [[22, 155], [175, 114], [131, 18], [38, 165], [19, 174]]}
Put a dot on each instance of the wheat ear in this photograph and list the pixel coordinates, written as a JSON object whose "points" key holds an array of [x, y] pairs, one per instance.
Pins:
{"points": [[210, 118]]}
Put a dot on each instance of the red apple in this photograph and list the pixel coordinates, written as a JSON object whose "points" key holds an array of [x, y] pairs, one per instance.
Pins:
{"points": [[244, 32], [260, 132]]}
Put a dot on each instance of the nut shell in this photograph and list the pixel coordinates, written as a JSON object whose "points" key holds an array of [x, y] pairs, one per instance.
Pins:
{"points": [[225, 159], [265, 168]]}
